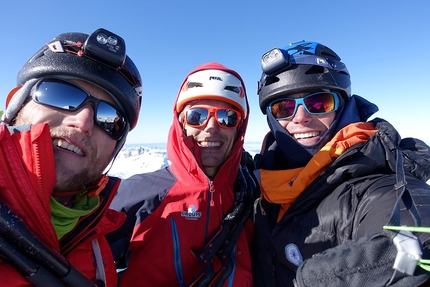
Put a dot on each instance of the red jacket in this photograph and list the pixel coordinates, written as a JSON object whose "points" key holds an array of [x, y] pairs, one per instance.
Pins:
{"points": [[26, 184], [177, 210]]}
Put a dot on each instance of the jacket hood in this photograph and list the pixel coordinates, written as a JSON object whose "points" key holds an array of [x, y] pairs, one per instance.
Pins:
{"points": [[415, 153], [183, 151], [379, 155]]}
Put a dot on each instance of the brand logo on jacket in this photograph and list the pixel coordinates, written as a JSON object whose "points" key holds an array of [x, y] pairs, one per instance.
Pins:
{"points": [[292, 253], [191, 213]]}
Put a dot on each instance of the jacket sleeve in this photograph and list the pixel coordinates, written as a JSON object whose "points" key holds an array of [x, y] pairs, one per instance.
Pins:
{"points": [[137, 196]]}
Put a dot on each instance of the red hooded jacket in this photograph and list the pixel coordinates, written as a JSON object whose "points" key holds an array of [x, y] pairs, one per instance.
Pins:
{"points": [[170, 216], [27, 178]]}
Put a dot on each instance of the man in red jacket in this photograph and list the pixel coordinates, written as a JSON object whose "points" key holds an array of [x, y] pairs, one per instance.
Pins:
{"points": [[188, 224], [77, 99]]}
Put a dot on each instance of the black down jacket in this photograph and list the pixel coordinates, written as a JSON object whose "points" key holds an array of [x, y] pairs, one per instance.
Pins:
{"points": [[352, 198]]}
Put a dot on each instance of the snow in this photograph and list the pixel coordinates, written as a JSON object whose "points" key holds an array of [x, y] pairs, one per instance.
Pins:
{"points": [[134, 159], [141, 159]]}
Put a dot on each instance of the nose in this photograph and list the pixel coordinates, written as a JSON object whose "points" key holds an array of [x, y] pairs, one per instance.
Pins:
{"points": [[212, 123], [301, 116], [82, 119]]}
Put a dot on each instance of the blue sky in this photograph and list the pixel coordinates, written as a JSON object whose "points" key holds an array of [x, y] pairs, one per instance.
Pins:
{"points": [[385, 45]]}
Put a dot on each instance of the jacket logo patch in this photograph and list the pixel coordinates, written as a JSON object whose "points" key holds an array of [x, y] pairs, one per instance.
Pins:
{"points": [[292, 253], [191, 213]]}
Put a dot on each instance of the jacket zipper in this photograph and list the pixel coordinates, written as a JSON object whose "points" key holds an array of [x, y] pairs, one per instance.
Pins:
{"points": [[36, 153], [78, 238], [211, 193]]}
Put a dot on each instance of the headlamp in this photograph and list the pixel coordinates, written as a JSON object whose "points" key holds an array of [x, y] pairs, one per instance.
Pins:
{"points": [[273, 61], [278, 60], [106, 47]]}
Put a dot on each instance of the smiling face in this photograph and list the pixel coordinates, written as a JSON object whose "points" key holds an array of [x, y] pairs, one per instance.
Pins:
{"points": [[82, 149], [307, 129], [215, 142]]}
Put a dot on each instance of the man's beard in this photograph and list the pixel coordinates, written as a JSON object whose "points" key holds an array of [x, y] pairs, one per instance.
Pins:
{"points": [[77, 181]]}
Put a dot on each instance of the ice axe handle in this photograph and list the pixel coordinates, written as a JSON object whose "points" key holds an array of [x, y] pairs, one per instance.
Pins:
{"points": [[14, 230]]}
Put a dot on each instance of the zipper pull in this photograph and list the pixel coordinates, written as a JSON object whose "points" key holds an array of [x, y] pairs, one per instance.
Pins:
{"points": [[212, 190]]}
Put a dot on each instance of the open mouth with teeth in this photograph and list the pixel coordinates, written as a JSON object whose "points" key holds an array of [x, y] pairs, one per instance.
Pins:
{"points": [[65, 145], [306, 135], [209, 144]]}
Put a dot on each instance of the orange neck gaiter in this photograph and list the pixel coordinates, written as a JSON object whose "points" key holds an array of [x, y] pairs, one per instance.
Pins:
{"points": [[284, 186]]}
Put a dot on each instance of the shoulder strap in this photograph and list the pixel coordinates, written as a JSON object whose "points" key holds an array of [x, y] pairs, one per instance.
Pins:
{"points": [[408, 246], [403, 195]]}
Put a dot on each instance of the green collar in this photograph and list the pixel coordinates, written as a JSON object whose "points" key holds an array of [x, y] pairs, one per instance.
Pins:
{"points": [[64, 219]]}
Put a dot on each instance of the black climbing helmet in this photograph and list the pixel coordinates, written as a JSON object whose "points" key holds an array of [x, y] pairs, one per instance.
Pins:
{"points": [[301, 67], [99, 58]]}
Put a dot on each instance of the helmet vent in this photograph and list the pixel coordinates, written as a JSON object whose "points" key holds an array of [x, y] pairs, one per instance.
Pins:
{"points": [[271, 80], [233, 89], [195, 85], [325, 54], [316, 70]]}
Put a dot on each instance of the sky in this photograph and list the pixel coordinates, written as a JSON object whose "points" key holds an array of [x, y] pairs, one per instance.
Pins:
{"points": [[384, 44]]}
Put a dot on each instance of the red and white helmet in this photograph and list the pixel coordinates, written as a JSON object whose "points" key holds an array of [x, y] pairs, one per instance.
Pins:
{"points": [[216, 82]]}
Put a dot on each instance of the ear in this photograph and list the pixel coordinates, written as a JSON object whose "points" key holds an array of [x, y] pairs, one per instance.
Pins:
{"points": [[8, 98], [11, 94]]}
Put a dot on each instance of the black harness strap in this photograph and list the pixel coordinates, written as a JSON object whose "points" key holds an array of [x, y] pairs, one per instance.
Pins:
{"points": [[403, 195], [222, 244]]}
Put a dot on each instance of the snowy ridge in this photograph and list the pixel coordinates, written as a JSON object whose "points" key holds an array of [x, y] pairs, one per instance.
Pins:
{"points": [[134, 159]]}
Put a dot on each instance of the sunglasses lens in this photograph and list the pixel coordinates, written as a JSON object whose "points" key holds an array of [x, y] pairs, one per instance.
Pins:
{"points": [[320, 103], [197, 116], [59, 94], [110, 120], [66, 96], [283, 108], [227, 118]]}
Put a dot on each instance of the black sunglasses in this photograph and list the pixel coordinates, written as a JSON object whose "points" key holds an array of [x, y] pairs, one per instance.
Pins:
{"points": [[65, 95]]}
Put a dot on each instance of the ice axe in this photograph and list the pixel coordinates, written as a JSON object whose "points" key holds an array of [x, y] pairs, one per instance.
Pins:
{"points": [[33, 258]]}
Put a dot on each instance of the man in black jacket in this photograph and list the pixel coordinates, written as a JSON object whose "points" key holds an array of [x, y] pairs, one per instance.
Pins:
{"points": [[327, 176]]}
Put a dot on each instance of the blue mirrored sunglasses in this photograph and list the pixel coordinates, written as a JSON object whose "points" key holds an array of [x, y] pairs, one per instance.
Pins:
{"points": [[315, 104], [65, 95]]}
